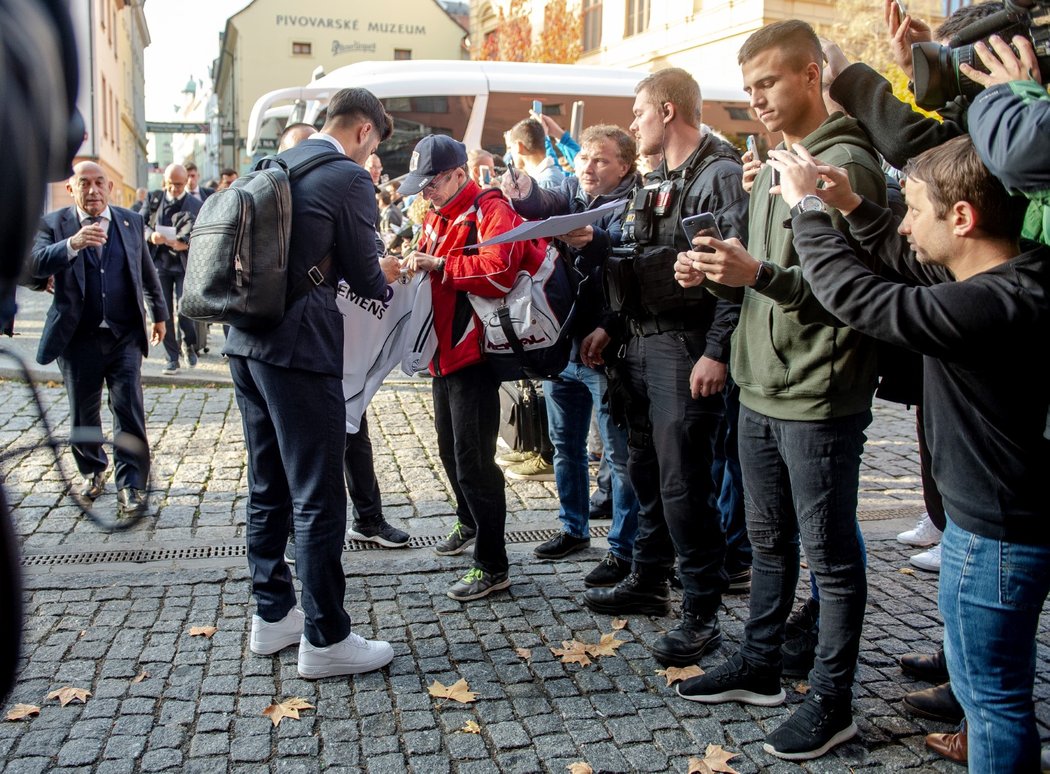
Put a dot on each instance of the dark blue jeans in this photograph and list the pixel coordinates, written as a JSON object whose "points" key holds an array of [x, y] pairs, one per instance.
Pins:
{"points": [[295, 434], [466, 416], [171, 286], [991, 595], [801, 480], [670, 467], [726, 471]]}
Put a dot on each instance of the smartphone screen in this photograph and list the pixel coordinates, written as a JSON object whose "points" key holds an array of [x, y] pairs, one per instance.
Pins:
{"points": [[901, 10], [703, 224], [537, 107], [486, 176], [752, 145]]}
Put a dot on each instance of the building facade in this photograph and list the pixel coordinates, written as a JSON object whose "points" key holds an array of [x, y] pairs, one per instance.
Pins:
{"points": [[273, 44]]}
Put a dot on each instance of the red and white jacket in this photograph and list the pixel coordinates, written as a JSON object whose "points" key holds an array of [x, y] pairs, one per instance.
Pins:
{"points": [[487, 271]]}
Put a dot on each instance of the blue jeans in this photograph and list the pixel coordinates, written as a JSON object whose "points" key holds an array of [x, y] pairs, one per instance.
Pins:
{"points": [[801, 480], [991, 594], [569, 405]]}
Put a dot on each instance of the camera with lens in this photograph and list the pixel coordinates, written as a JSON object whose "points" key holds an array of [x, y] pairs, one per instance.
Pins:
{"points": [[937, 79]]}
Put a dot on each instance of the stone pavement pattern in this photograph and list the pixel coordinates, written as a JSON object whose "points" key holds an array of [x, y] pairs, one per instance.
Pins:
{"points": [[99, 626]]}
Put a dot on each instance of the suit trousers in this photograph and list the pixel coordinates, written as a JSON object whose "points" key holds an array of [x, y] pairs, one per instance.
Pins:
{"points": [[89, 362], [360, 470], [295, 432], [171, 285]]}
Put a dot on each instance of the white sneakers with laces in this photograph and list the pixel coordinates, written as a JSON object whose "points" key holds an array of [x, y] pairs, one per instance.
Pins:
{"points": [[268, 638], [352, 656], [928, 560], [924, 534]]}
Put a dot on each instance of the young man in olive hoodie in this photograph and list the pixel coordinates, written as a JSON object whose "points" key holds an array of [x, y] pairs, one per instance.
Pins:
{"points": [[806, 384]]}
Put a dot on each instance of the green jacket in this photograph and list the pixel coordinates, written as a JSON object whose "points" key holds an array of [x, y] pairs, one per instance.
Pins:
{"points": [[791, 358]]}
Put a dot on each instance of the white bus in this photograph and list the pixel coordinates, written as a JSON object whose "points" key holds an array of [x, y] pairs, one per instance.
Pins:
{"points": [[476, 102]]}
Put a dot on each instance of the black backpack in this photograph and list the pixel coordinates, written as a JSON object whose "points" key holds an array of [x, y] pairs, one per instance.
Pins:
{"points": [[237, 266]]}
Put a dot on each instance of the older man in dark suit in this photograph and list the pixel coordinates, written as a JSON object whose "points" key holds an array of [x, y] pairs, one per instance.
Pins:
{"points": [[288, 382], [96, 326]]}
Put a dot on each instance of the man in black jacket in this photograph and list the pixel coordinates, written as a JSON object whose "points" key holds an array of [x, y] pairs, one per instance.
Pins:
{"points": [[979, 311]]}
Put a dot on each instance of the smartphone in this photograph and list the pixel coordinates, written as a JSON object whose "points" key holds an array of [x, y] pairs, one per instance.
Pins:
{"points": [[901, 10], [752, 145], [702, 224], [537, 107], [486, 175]]}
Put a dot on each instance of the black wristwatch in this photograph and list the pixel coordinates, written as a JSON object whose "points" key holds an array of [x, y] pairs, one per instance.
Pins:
{"points": [[809, 203], [763, 276]]}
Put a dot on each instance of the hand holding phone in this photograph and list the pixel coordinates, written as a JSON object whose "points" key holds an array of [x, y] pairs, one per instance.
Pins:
{"points": [[752, 146], [901, 10], [486, 176], [537, 107], [703, 224]]}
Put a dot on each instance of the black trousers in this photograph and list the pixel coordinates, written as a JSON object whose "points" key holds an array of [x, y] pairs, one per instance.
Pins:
{"points": [[360, 472]]}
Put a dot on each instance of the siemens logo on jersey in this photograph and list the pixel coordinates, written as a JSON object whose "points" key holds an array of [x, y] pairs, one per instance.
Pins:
{"points": [[374, 306]]}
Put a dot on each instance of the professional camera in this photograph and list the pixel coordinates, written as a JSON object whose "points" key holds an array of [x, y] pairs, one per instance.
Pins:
{"points": [[937, 77]]}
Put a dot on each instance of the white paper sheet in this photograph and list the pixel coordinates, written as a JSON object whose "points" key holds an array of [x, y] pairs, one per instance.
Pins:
{"points": [[551, 227], [168, 232]]}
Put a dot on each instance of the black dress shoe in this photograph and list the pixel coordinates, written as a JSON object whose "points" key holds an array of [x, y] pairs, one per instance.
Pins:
{"points": [[93, 486], [930, 667], [687, 642], [132, 501], [637, 593], [561, 545], [936, 703], [600, 512]]}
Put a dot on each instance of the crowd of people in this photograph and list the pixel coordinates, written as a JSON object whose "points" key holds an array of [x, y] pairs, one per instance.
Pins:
{"points": [[730, 375]]}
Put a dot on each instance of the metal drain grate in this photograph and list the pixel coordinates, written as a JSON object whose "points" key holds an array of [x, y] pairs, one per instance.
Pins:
{"points": [[139, 556]]}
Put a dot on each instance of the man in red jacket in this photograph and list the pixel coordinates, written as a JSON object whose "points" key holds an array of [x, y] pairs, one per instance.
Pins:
{"points": [[466, 393]]}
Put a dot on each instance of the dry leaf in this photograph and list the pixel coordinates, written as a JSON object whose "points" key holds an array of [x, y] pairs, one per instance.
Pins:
{"points": [[715, 759], [471, 727], [674, 674], [606, 646], [82, 632], [572, 652], [618, 623], [22, 711], [68, 693], [802, 688], [906, 571], [289, 708], [524, 653], [203, 631], [580, 768], [459, 691], [140, 676]]}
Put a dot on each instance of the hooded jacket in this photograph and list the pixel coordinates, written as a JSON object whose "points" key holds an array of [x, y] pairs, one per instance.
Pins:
{"points": [[791, 358], [470, 217]]}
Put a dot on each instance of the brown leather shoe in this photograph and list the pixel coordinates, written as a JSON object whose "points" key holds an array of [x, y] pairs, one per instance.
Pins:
{"points": [[937, 703], [930, 667], [951, 746]]}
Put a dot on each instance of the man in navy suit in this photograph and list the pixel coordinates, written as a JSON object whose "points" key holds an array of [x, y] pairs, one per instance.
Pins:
{"points": [[288, 382], [193, 184], [96, 326]]}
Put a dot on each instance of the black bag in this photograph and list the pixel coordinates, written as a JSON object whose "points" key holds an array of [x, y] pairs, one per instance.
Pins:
{"points": [[237, 266], [523, 417]]}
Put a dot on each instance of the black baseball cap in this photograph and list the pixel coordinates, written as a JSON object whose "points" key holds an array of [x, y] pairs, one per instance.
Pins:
{"points": [[434, 154]]}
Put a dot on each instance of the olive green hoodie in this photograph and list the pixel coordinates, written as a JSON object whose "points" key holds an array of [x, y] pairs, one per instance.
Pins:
{"points": [[791, 358]]}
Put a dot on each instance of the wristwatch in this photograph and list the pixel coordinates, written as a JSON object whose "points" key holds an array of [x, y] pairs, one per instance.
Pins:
{"points": [[809, 203], [763, 276]]}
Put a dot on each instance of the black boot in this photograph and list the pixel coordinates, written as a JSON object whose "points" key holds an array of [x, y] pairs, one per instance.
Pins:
{"points": [[644, 593], [694, 636]]}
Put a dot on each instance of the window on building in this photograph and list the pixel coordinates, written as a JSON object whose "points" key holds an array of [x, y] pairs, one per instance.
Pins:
{"points": [[302, 49], [104, 109], [739, 114], [402, 54], [637, 17], [592, 24]]}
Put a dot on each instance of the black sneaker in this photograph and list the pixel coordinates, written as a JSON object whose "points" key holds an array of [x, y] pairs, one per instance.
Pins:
{"points": [[191, 356], [459, 540], [477, 584], [610, 571], [687, 642], [634, 594], [739, 582], [803, 619], [382, 532], [819, 724], [734, 680], [800, 639], [561, 545]]}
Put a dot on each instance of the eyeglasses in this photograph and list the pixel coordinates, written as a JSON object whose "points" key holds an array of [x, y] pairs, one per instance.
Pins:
{"points": [[437, 180]]}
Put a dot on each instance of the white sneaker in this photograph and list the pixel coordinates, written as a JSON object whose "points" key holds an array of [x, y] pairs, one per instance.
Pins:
{"points": [[268, 638], [925, 534], [928, 560], [352, 656]]}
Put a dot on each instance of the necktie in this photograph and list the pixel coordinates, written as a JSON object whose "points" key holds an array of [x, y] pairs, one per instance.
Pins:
{"points": [[92, 252]]}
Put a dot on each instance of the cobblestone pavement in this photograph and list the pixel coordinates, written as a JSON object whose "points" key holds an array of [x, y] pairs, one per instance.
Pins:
{"points": [[97, 620]]}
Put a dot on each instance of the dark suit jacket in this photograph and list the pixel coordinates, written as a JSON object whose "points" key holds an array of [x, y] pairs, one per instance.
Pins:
{"points": [[50, 257], [181, 221], [333, 208], [205, 193]]}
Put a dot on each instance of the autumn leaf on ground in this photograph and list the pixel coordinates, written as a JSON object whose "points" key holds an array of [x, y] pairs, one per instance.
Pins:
{"points": [[21, 711], [715, 759], [906, 571], [606, 646], [524, 653], [289, 708], [802, 688], [618, 623], [572, 652], [674, 674], [140, 676], [580, 768], [203, 631], [459, 691], [471, 727], [68, 693]]}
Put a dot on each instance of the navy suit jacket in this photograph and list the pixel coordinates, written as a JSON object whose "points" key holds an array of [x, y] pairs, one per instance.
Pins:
{"points": [[49, 257], [333, 209]]}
